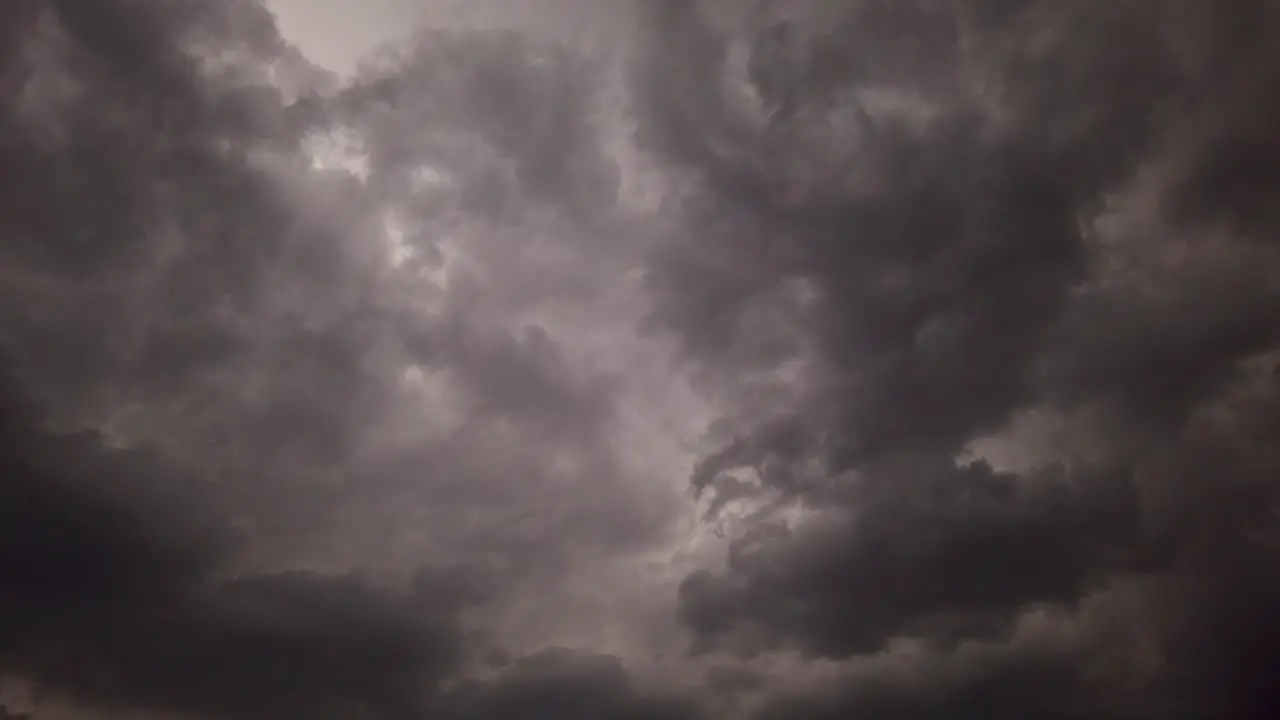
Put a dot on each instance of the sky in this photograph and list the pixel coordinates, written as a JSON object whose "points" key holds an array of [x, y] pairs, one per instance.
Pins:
{"points": [[671, 360]]}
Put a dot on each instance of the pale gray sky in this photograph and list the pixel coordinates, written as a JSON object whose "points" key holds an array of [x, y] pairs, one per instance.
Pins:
{"points": [[337, 33]]}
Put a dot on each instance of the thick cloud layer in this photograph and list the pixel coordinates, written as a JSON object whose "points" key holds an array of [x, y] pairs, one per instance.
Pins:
{"points": [[310, 453], [113, 594], [376, 395], [992, 218]]}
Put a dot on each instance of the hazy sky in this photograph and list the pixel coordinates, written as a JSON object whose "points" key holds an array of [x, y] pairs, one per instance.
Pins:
{"points": [[402, 359], [336, 33]]}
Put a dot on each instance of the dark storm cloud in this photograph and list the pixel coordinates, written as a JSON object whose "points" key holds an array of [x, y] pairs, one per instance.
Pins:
{"points": [[993, 208], [939, 254], [110, 564], [1193, 636], [169, 202], [113, 597], [925, 549], [891, 229], [561, 683], [177, 273]]}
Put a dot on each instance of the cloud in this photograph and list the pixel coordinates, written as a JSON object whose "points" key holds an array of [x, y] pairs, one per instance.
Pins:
{"points": [[115, 596], [920, 551], [258, 466], [566, 684], [987, 208], [359, 396], [938, 249]]}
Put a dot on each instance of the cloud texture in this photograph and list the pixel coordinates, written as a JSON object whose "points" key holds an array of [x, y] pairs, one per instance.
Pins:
{"points": [[742, 360]]}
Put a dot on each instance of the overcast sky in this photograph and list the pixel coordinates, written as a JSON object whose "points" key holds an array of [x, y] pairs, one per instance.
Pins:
{"points": [[683, 359]]}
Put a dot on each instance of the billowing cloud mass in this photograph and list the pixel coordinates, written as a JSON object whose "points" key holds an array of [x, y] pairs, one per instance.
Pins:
{"points": [[675, 359]]}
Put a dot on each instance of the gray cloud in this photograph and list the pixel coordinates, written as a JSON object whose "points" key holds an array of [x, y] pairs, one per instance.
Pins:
{"points": [[376, 454], [987, 205], [563, 683], [114, 596], [355, 396], [920, 551]]}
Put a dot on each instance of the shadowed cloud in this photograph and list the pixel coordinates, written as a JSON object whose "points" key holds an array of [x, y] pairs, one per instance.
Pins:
{"points": [[369, 394]]}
